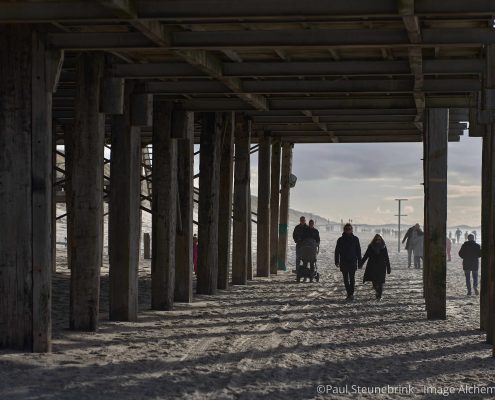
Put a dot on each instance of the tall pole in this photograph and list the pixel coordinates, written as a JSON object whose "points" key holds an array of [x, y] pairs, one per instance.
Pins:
{"points": [[399, 215]]}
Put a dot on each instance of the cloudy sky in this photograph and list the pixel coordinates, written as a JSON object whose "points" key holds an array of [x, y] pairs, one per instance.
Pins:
{"points": [[361, 181]]}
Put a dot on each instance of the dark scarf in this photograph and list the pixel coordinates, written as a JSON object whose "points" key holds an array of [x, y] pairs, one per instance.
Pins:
{"points": [[377, 247]]}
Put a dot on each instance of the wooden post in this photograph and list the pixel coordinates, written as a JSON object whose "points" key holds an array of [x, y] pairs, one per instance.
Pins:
{"points": [[147, 246], [164, 206], [225, 208], [242, 213], [87, 194], [274, 204], [263, 225], [209, 179], [284, 205], [124, 217], [183, 245], [490, 252], [436, 139], [25, 190], [54, 197], [250, 274], [485, 224]]}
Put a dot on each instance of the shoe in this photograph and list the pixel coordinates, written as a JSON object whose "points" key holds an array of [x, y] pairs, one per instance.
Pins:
{"points": [[351, 297], [378, 298], [305, 280], [468, 293], [476, 291]]}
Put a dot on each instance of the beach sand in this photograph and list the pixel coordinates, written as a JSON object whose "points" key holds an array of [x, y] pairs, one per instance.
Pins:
{"points": [[273, 339]]}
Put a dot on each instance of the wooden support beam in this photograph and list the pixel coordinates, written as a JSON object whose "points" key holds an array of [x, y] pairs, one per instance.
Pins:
{"points": [[489, 265], [263, 225], [183, 129], [208, 207], [26, 224], [274, 203], [86, 216], [250, 272], [242, 216], [226, 193], [486, 222], [164, 207], [284, 205], [435, 182], [147, 246], [124, 219], [112, 96]]}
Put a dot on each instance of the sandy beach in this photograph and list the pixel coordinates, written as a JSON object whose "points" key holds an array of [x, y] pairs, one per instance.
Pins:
{"points": [[272, 339]]}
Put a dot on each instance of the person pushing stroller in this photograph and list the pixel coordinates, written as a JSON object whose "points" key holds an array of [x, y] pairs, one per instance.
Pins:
{"points": [[309, 248]]}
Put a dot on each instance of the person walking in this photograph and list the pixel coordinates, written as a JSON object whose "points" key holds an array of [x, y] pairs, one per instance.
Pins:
{"points": [[470, 253], [378, 265], [448, 245], [297, 235], [407, 239], [347, 258], [310, 240], [417, 244], [458, 234]]}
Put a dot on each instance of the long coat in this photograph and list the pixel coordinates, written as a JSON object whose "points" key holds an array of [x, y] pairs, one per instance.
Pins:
{"points": [[347, 252], [378, 264]]}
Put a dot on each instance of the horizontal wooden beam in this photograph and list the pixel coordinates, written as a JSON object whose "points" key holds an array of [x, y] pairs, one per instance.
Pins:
{"points": [[315, 86], [252, 10], [253, 39], [315, 68]]}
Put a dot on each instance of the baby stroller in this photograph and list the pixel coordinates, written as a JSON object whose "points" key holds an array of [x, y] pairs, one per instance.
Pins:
{"points": [[309, 250]]}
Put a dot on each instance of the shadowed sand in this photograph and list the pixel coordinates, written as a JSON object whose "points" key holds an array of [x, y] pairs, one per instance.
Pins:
{"points": [[270, 339]]}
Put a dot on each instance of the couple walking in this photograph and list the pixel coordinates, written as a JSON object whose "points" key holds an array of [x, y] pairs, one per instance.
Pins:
{"points": [[414, 239], [348, 259]]}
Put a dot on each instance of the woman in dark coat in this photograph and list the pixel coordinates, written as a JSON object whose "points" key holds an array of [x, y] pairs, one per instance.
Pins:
{"points": [[378, 264]]}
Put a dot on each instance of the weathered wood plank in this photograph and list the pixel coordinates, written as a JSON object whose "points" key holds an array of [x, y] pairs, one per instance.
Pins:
{"points": [[274, 204], [87, 194], [284, 205], [242, 215], [183, 129], [124, 218], [225, 201], [263, 225], [164, 205], [436, 136], [208, 207]]}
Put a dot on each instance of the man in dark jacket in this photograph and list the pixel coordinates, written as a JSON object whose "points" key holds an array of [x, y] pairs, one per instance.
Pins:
{"points": [[347, 258], [298, 235], [407, 238], [312, 232], [470, 252]]}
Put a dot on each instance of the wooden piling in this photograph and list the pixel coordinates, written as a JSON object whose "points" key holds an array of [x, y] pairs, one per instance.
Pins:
{"points": [[226, 193], [147, 246], [250, 272], [263, 218], [124, 218], [242, 214], [274, 204], [164, 206], [209, 179], [25, 190], [436, 139], [485, 225], [183, 129], [87, 194], [284, 205], [490, 264]]}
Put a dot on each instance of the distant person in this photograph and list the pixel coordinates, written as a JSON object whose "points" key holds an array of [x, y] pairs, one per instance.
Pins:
{"points": [[450, 235], [448, 248], [347, 258], [407, 238], [195, 253], [417, 243], [378, 265], [466, 234], [475, 234], [297, 235], [470, 252], [458, 234]]}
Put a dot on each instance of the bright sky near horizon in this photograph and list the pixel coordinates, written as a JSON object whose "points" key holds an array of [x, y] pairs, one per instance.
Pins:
{"points": [[361, 181]]}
